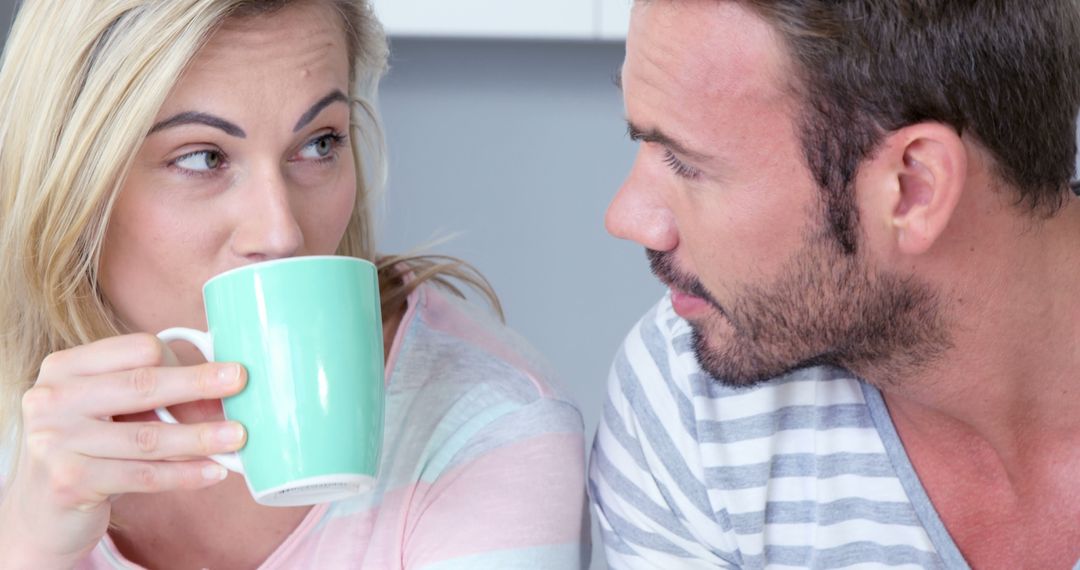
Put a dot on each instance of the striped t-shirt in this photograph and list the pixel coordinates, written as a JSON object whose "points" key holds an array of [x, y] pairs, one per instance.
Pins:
{"points": [[483, 464], [805, 471]]}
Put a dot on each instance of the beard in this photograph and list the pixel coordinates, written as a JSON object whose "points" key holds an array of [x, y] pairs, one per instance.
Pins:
{"points": [[824, 308]]}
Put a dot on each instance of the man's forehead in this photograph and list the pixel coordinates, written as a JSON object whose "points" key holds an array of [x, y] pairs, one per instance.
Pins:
{"points": [[705, 74], [713, 47]]}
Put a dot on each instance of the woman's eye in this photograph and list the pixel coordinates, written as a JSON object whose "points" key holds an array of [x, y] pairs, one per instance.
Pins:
{"points": [[321, 147], [201, 161]]}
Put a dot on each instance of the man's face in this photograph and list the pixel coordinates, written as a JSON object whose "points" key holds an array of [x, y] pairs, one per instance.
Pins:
{"points": [[720, 195]]}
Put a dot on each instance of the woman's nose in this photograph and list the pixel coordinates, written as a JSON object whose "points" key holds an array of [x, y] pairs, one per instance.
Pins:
{"points": [[268, 227]]}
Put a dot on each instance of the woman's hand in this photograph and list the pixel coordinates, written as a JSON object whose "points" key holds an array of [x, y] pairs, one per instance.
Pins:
{"points": [[74, 458]]}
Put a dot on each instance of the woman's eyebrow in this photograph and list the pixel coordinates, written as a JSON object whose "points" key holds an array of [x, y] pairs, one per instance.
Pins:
{"points": [[192, 118], [335, 96]]}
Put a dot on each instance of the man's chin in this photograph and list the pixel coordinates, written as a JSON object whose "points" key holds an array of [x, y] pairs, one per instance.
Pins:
{"points": [[733, 367]]}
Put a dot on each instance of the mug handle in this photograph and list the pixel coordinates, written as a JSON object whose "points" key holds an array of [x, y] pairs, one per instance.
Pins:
{"points": [[201, 340]]}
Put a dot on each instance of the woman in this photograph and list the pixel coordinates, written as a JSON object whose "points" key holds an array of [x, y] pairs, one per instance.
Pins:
{"points": [[147, 145]]}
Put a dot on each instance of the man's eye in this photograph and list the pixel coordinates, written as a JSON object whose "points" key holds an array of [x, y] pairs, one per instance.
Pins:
{"points": [[680, 168]]}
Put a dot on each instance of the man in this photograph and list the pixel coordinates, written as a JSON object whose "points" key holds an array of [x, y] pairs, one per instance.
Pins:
{"points": [[869, 353]]}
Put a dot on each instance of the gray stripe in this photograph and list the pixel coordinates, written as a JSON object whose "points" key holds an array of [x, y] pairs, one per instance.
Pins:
{"points": [[753, 562], [655, 344], [615, 426], [798, 465], [613, 542], [788, 418], [673, 320], [631, 494], [825, 514], [628, 532], [851, 554], [683, 343], [632, 535], [654, 431], [707, 386], [702, 384]]}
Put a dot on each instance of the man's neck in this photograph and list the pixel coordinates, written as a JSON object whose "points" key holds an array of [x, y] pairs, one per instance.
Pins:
{"points": [[1011, 380], [992, 428]]}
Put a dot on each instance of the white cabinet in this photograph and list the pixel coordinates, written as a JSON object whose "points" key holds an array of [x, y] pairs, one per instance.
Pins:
{"points": [[614, 18], [570, 19], [537, 19]]}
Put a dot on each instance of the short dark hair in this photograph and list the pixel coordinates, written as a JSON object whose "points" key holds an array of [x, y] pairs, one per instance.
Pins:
{"points": [[1005, 72]]}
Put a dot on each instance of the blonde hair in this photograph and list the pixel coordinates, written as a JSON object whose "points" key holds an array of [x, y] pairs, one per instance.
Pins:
{"points": [[80, 86]]}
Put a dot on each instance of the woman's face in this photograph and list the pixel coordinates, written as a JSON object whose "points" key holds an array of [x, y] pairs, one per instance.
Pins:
{"points": [[249, 161]]}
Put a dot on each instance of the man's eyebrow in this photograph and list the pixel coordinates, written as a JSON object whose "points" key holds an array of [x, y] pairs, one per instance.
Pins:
{"points": [[616, 78], [317, 108], [192, 118], [656, 136]]}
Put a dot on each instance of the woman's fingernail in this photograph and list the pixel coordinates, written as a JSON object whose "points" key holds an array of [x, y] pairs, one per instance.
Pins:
{"points": [[228, 374], [230, 433], [214, 473]]}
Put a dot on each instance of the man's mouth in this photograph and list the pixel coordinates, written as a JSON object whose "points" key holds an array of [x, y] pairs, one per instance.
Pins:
{"points": [[688, 296], [687, 305]]}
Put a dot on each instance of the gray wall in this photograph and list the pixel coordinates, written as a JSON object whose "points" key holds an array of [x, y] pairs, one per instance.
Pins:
{"points": [[7, 12], [519, 146]]}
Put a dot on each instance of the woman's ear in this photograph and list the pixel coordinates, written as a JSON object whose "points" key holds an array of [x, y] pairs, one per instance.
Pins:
{"points": [[912, 185]]}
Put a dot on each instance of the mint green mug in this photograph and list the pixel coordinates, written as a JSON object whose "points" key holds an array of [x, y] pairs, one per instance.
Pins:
{"points": [[309, 332]]}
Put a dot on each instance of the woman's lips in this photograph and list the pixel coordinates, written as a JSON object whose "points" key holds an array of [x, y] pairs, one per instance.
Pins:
{"points": [[686, 305]]}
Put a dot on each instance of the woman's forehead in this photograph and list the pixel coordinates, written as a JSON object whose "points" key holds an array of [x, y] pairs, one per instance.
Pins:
{"points": [[268, 65], [308, 31], [302, 42]]}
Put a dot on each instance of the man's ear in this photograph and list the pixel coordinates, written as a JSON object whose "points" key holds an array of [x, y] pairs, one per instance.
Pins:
{"points": [[912, 185]]}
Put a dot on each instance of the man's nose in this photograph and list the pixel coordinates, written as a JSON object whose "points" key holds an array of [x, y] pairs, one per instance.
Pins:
{"points": [[639, 213]]}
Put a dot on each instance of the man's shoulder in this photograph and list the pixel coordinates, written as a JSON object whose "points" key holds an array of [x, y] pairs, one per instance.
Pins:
{"points": [[789, 471]]}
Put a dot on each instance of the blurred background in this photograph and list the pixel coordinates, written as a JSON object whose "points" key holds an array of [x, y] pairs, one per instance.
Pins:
{"points": [[506, 135]]}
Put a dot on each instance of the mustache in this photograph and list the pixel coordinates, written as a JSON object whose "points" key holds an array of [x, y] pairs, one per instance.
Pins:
{"points": [[662, 264]]}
